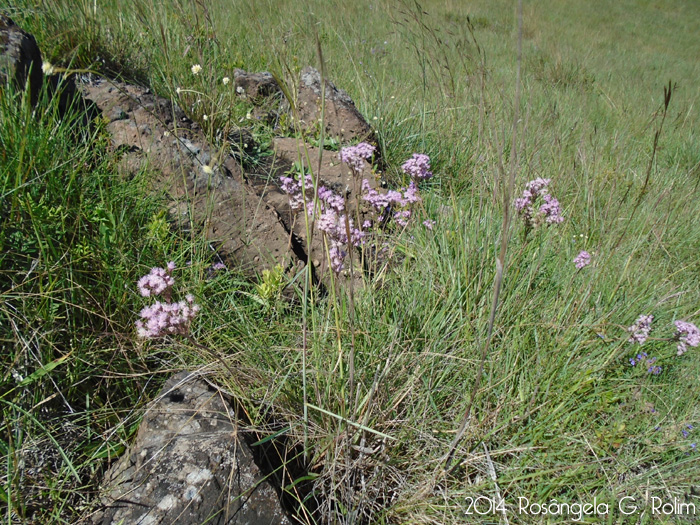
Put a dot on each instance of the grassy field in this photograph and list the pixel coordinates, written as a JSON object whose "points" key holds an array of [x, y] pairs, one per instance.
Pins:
{"points": [[560, 413]]}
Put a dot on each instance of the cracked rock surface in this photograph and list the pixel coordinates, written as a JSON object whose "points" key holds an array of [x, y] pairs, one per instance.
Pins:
{"points": [[188, 466], [206, 188]]}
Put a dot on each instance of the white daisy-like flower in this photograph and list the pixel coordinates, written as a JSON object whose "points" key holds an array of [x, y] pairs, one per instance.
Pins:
{"points": [[205, 117], [207, 169], [178, 91], [48, 68], [196, 69], [226, 80]]}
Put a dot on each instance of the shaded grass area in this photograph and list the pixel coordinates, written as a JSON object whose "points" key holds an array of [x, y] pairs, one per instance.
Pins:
{"points": [[561, 412]]}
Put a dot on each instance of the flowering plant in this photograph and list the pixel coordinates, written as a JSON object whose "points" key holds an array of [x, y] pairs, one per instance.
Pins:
{"points": [[166, 317], [329, 210], [537, 206]]}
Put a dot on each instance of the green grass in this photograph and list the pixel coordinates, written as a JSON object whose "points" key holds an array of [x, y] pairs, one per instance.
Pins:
{"points": [[560, 410]]}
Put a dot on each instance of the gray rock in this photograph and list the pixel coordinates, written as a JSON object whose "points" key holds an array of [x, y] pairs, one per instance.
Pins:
{"points": [[20, 58], [175, 156], [188, 466], [342, 119], [255, 86]]}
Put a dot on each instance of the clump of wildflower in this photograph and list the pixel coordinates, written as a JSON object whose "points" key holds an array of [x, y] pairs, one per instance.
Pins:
{"points": [[687, 335], [380, 201], [647, 361], [640, 329], [410, 194], [332, 222], [161, 319], [329, 211], [401, 217], [354, 156], [196, 69], [582, 260], [225, 81], [429, 224], [393, 200], [418, 167], [537, 192], [164, 318], [215, 269], [293, 188], [157, 281], [551, 210]]}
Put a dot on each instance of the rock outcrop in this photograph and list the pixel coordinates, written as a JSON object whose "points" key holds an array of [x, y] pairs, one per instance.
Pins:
{"points": [[188, 466], [244, 213], [342, 120], [20, 58], [206, 186], [255, 86]]}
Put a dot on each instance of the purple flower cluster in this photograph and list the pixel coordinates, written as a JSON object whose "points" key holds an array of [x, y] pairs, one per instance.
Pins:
{"points": [[418, 167], [640, 329], [164, 318], [293, 188], [328, 208], [332, 222], [329, 211], [685, 432], [161, 319], [355, 156], [652, 368], [582, 260], [687, 335], [157, 281], [536, 192], [396, 201]]}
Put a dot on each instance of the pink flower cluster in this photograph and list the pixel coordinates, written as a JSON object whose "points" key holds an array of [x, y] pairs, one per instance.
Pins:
{"points": [[161, 319], [582, 260], [399, 202], [329, 211], [355, 156], [292, 187], [164, 318], [537, 192], [328, 208], [687, 335], [157, 281], [392, 201], [332, 221], [418, 167], [640, 329]]}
